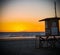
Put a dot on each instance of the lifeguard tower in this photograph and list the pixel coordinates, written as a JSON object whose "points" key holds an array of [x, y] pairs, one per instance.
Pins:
{"points": [[51, 26], [51, 30]]}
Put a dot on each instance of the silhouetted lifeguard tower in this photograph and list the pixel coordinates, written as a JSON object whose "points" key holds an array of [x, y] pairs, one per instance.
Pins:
{"points": [[51, 30], [52, 24]]}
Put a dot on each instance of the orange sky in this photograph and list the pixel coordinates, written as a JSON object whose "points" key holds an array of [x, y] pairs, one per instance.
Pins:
{"points": [[23, 16], [21, 27]]}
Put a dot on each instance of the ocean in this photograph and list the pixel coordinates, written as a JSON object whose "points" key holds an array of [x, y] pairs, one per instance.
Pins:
{"points": [[15, 34]]}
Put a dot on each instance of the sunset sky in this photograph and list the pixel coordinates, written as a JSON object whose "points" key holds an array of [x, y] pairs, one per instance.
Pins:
{"points": [[23, 15]]}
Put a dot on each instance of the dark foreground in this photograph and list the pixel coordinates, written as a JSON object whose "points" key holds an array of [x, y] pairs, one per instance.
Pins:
{"points": [[29, 51], [15, 47]]}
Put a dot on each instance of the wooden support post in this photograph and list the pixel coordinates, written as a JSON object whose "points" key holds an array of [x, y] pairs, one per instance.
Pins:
{"points": [[37, 42], [54, 42]]}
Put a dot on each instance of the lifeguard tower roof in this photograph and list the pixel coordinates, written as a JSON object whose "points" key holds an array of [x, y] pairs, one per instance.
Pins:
{"points": [[53, 18]]}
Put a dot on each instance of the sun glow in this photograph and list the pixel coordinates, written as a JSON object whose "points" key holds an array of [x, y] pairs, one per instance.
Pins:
{"points": [[20, 28], [8, 27]]}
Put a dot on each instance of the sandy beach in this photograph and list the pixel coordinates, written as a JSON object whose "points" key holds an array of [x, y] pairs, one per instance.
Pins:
{"points": [[24, 46]]}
